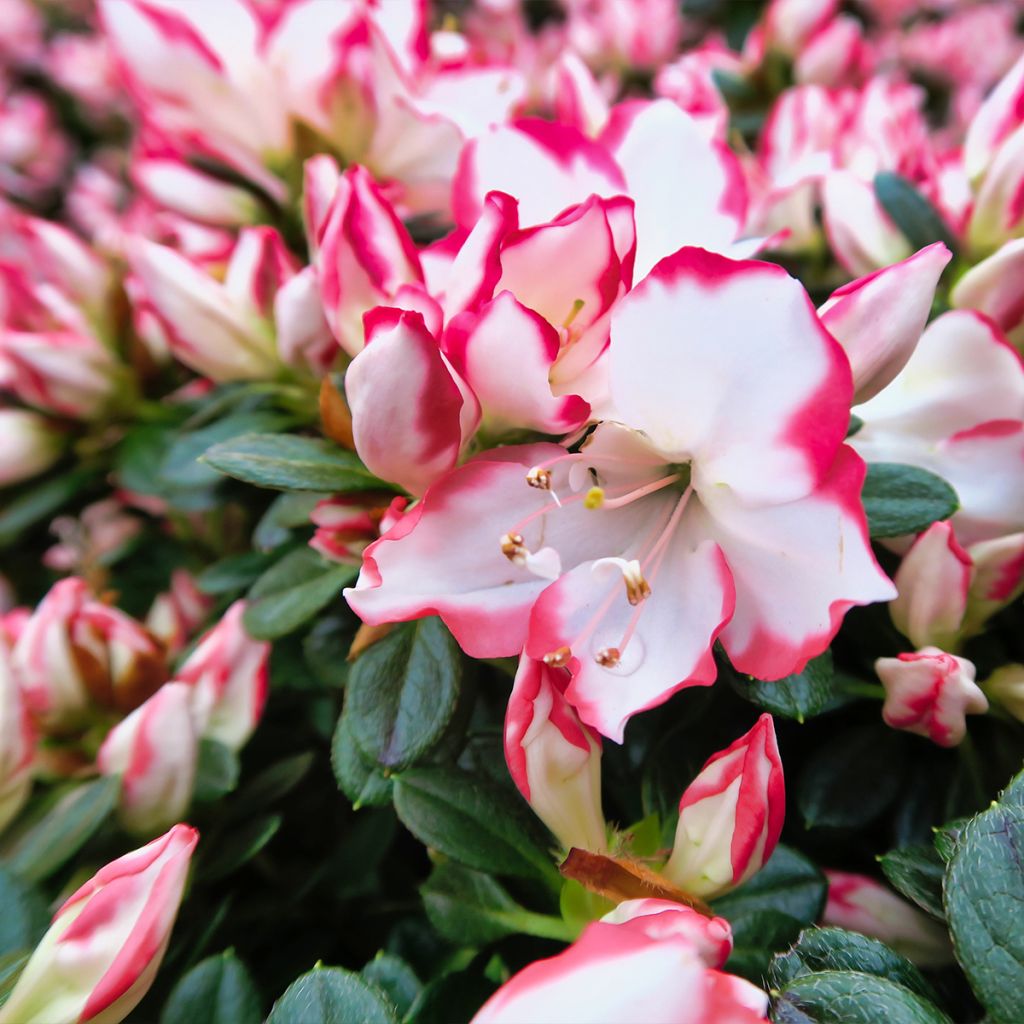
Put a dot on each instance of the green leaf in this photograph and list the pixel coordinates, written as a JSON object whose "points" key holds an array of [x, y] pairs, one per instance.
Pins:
{"points": [[40, 502], [64, 827], [286, 512], [916, 871], [468, 907], [270, 785], [757, 937], [24, 917], [984, 900], [234, 573], [911, 212], [238, 846], [789, 884], [331, 995], [834, 949], [395, 978], [292, 591], [832, 795], [473, 821], [800, 696], [359, 779], [402, 693], [216, 771], [288, 462], [902, 499], [851, 997], [217, 991]]}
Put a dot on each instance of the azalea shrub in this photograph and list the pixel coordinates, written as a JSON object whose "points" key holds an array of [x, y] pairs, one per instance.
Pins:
{"points": [[511, 511]]}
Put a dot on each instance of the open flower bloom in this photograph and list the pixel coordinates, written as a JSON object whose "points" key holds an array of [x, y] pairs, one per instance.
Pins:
{"points": [[155, 751], [553, 758], [75, 651], [860, 904], [957, 409], [644, 968], [240, 329], [930, 693], [106, 942], [730, 816], [228, 674], [722, 504]]}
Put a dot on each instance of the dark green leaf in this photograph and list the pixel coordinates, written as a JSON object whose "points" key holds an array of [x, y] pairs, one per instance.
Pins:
{"points": [[359, 779], [947, 837], [833, 949], [216, 771], [757, 937], [40, 502], [237, 572], [46, 843], [217, 991], [452, 997], [850, 997], [286, 512], [292, 591], [330, 995], [468, 907], [326, 648], [852, 779], [273, 783], [471, 820], [403, 691], [800, 696], [984, 900], [24, 917], [238, 846], [395, 978], [911, 212], [916, 871], [900, 499], [288, 462], [789, 884]]}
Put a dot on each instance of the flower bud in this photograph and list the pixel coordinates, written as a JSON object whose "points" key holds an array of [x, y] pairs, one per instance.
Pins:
{"points": [[228, 671], [730, 816], [932, 581], [30, 445], [177, 613], [75, 651], [711, 936], [155, 751], [1006, 687], [860, 904], [17, 743], [929, 693], [993, 287], [997, 579], [554, 759], [345, 524], [105, 944]]}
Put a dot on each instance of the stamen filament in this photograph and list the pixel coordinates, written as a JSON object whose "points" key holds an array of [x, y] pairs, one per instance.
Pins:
{"points": [[640, 492]]}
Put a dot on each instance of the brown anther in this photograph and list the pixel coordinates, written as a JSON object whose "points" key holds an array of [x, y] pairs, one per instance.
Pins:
{"points": [[540, 478], [559, 658], [637, 589], [513, 547], [608, 657]]}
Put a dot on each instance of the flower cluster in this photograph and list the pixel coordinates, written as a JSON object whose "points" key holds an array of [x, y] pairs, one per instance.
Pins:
{"points": [[641, 380]]}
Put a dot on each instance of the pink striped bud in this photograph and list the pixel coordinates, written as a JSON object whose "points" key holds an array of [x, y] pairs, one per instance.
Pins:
{"points": [[554, 759], [228, 671], [930, 693], [997, 578], [346, 524], [932, 581], [31, 445], [860, 904], [75, 652], [106, 942], [730, 816], [155, 751], [17, 743], [178, 612]]}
